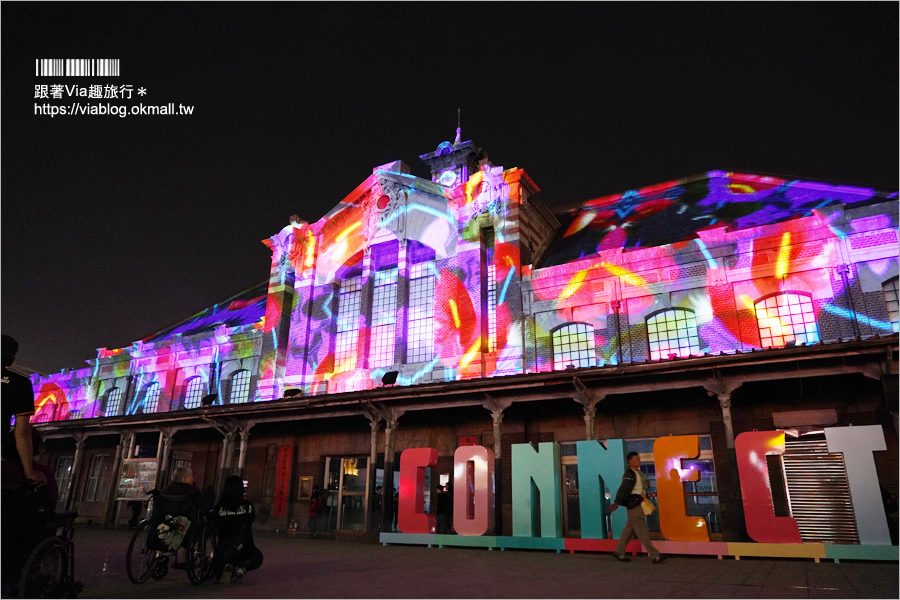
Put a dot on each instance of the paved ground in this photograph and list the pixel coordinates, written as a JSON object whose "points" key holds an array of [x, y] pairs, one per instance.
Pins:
{"points": [[298, 567]]}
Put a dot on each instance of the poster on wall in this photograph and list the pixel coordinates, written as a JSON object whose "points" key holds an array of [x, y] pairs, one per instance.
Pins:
{"points": [[138, 478], [282, 481]]}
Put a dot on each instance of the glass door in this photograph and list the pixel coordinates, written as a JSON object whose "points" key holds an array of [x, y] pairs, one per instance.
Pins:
{"points": [[346, 491]]}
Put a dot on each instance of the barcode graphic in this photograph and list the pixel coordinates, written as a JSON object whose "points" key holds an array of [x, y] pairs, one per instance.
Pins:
{"points": [[76, 67]]}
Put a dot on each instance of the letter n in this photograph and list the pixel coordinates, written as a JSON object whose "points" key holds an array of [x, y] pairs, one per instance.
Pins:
{"points": [[534, 472], [599, 468]]}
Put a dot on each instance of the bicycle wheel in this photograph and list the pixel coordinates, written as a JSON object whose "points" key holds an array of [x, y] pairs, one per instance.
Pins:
{"points": [[199, 567], [45, 570], [140, 561]]}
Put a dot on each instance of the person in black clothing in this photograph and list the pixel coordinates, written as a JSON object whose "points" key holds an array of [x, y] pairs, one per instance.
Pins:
{"points": [[18, 400], [233, 516], [443, 510]]}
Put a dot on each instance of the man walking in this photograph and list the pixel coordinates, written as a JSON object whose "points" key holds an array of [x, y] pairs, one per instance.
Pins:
{"points": [[631, 494]]}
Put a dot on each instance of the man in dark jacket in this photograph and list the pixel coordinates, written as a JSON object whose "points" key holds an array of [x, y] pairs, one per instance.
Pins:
{"points": [[630, 494]]}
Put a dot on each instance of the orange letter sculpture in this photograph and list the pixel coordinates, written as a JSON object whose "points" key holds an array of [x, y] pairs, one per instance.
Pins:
{"points": [[473, 486], [673, 520], [751, 448], [411, 517]]}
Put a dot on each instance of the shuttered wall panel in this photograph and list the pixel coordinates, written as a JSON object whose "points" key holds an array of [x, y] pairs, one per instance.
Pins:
{"points": [[818, 493]]}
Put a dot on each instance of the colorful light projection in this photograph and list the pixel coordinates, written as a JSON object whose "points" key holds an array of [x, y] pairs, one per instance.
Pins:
{"points": [[246, 308], [677, 210], [535, 473], [478, 312]]}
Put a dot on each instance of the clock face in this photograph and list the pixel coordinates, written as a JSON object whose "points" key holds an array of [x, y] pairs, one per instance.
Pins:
{"points": [[447, 178]]}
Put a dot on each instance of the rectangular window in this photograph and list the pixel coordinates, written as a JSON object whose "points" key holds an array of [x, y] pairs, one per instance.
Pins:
{"points": [[62, 474], [491, 289], [94, 486], [420, 346], [347, 339], [384, 317]]}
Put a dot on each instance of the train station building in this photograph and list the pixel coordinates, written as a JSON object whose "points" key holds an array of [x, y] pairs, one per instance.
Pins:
{"points": [[460, 310]]}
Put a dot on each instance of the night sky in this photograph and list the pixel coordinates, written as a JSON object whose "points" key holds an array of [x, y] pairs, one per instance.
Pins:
{"points": [[113, 228]]}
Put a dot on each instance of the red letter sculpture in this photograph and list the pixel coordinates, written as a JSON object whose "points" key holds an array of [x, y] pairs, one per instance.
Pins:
{"points": [[411, 517], [751, 448]]}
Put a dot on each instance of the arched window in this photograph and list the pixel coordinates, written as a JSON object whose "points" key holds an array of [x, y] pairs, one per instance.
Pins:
{"points": [[573, 344], [420, 323], [786, 317], [347, 337], [113, 400], [889, 288], [43, 417], [194, 392], [151, 398], [671, 333], [240, 387]]}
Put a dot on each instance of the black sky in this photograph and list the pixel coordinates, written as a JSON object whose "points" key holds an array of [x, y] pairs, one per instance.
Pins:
{"points": [[113, 228]]}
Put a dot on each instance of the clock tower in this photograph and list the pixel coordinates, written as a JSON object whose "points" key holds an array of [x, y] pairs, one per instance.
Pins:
{"points": [[452, 164]]}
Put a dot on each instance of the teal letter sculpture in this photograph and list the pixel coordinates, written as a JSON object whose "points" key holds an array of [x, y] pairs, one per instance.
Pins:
{"points": [[536, 471], [599, 468]]}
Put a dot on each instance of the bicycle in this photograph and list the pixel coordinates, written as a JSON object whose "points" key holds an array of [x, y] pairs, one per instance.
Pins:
{"points": [[148, 556]]}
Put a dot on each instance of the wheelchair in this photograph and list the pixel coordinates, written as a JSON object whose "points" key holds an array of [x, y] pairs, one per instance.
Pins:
{"points": [[172, 523], [48, 569]]}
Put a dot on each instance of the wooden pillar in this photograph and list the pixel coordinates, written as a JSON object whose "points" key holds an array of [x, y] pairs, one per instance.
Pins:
{"points": [[387, 509], [76, 470], [242, 457], [165, 442], [589, 399], [725, 405], [121, 451], [496, 406], [374, 521]]}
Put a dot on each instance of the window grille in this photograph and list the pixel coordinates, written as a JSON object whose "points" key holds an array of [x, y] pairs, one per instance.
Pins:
{"points": [[240, 387], [347, 325], [784, 318], [113, 400], [672, 332], [151, 398], [63, 474], [420, 338], [384, 315], [96, 472], [196, 387], [573, 345]]}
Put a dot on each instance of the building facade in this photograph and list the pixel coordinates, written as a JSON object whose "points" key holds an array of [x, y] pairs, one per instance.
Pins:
{"points": [[460, 310]]}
